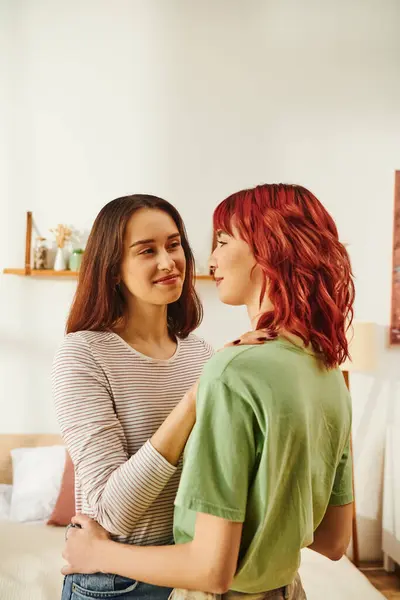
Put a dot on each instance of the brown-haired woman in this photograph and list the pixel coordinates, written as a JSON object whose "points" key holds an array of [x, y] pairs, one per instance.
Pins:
{"points": [[121, 379]]}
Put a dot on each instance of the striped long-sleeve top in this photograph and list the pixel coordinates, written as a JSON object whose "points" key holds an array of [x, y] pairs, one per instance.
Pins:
{"points": [[109, 400]]}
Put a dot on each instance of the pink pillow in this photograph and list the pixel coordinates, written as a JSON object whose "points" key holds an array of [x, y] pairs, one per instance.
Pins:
{"points": [[64, 509]]}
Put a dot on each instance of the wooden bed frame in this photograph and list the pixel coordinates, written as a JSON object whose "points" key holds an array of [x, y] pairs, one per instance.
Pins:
{"points": [[23, 440]]}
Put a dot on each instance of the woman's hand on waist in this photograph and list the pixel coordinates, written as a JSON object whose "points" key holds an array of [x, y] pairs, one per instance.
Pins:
{"points": [[84, 546]]}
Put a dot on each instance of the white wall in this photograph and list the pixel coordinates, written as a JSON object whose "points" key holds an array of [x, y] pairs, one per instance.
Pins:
{"points": [[191, 101]]}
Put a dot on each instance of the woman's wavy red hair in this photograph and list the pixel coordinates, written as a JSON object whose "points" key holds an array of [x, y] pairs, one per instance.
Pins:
{"points": [[307, 269]]}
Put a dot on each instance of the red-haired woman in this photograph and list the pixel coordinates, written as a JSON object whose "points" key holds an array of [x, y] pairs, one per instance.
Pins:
{"points": [[267, 469], [123, 375]]}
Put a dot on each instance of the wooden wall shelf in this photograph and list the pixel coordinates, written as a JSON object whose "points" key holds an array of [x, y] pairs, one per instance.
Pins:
{"points": [[41, 273], [63, 274], [44, 273]]}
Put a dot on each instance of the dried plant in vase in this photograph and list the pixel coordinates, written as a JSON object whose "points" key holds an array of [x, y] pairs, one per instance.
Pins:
{"points": [[62, 235]]}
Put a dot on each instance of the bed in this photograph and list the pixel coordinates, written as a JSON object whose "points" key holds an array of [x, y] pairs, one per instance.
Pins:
{"points": [[30, 553]]}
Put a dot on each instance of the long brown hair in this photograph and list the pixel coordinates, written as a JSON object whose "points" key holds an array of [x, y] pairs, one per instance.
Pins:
{"points": [[98, 304]]}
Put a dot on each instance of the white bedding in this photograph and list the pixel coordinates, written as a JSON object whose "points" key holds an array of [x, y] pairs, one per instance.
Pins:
{"points": [[30, 563], [329, 580]]}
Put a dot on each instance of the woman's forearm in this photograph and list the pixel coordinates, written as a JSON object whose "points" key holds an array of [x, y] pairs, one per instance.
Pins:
{"points": [[180, 566], [171, 437], [208, 563]]}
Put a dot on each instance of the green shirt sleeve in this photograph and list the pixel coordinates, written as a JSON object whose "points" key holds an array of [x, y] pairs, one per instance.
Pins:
{"points": [[342, 491], [220, 454]]}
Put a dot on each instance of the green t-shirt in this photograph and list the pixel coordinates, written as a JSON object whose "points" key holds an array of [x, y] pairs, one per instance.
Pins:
{"points": [[270, 448]]}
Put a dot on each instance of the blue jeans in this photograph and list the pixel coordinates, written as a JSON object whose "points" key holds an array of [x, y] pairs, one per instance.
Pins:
{"points": [[110, 587]]}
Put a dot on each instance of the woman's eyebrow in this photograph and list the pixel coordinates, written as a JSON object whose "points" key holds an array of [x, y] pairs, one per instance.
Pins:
{"points": [[151, 241]]}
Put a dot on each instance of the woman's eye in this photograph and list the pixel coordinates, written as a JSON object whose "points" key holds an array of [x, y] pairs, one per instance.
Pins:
{"points": [[148, 251], [221, 243], [175, 245]]}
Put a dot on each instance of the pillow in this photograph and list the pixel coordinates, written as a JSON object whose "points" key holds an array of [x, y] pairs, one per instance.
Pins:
{"points": [[64, 509], [37, 474], [5, 500]]}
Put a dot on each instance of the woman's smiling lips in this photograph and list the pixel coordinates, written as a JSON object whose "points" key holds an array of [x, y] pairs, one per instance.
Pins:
{"points": [[168, 280]]}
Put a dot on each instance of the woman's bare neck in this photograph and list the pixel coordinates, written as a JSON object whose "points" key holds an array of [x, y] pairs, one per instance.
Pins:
{"points": [[149, 335]]}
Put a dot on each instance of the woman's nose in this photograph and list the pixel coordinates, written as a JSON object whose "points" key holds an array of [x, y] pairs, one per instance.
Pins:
{"points": [[212, 263], [165, 262]]}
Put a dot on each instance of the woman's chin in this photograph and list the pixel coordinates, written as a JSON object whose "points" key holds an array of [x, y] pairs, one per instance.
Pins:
{"points": [[230, 299], [173, 295], [225, 298]]}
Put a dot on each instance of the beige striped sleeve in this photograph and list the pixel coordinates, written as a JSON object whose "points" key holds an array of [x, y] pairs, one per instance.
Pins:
{"points": [[117, 488]]}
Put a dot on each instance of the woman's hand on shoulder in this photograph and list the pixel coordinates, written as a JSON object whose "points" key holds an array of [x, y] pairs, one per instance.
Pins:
{"points": [[253, 338]]}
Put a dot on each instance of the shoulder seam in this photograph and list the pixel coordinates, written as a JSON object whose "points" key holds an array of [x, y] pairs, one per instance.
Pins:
{"points": [[243, 351], [92, 342]]}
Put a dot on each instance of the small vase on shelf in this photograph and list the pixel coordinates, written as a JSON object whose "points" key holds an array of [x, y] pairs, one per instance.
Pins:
{"points": [[76, 259], [62, 235], [59, 263]]}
